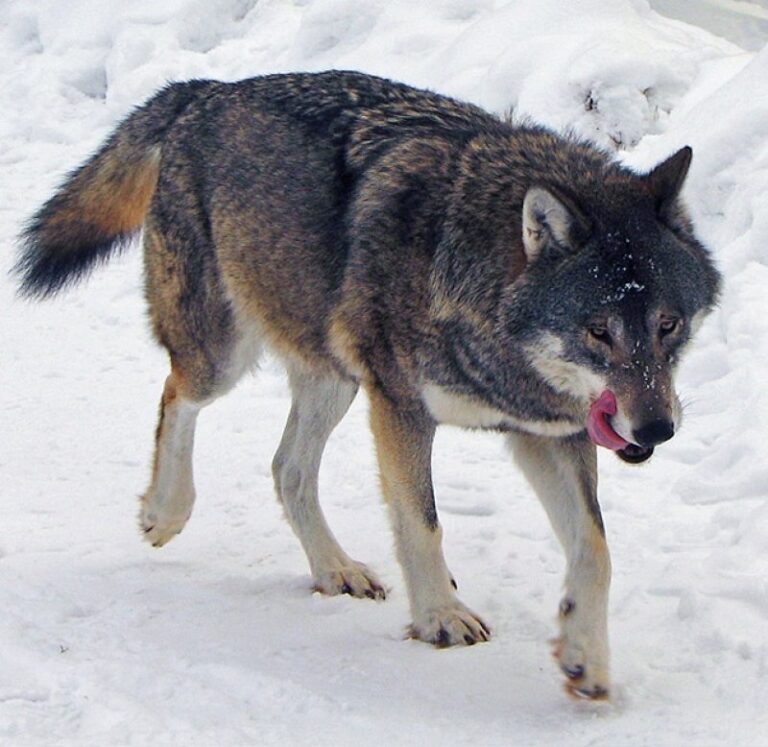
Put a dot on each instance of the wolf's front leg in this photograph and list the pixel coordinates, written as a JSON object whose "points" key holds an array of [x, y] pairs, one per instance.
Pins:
{"points": [[563, 472], [403, 435]]}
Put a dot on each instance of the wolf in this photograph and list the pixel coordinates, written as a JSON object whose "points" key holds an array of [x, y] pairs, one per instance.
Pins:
{"points": [[460, 268]]}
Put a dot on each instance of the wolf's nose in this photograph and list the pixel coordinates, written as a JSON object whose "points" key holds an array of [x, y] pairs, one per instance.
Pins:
{"points": [[653, 433]]}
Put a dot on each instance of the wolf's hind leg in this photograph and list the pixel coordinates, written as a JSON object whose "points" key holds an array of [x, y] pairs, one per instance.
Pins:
{"points": [[563, 472], [319, 403], [209, 344], [195, 381], [167, 504]]}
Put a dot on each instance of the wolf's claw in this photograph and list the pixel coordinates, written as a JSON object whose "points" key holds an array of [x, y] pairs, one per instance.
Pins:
{"points": [[588, 681], [573, 673], [456, 625], [582, 693], [159, 533], [354, 579]]}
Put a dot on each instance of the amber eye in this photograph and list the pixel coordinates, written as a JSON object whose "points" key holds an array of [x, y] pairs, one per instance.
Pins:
{"points": [[667, 326], [599, 332]]}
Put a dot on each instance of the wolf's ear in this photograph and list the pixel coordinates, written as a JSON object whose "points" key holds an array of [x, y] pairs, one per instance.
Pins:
{"points": [[549, 218], [666, 180]]}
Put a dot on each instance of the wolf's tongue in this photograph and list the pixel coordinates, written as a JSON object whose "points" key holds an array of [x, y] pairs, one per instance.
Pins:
{"points": [[598, 427]]}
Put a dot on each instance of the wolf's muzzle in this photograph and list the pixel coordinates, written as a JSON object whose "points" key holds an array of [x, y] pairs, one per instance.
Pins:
{"points": [[646, 437], [654, 433]]}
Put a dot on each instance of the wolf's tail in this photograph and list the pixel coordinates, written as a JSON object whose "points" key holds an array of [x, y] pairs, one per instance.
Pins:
{"points": [[102, 204]]}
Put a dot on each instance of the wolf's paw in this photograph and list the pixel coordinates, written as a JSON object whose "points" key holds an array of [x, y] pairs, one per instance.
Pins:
{"points": [[453, 625], [159, 530], [586, 675], [354, 579]]}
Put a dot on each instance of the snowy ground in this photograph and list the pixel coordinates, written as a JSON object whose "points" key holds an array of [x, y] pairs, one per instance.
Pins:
{"points": [[216, 639]]}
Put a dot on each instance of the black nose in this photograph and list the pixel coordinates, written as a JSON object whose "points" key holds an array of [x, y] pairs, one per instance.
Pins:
{"points": [[653, 433]]}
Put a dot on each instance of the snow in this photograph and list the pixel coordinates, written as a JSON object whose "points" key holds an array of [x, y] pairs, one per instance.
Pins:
{"points": [[744, 22], [216, 639]]}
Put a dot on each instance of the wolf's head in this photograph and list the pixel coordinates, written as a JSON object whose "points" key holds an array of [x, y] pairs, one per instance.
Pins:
{"points": [[618, 284]]}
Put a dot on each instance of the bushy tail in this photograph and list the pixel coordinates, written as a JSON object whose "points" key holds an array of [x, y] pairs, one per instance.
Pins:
{"points": [[102, 204]]}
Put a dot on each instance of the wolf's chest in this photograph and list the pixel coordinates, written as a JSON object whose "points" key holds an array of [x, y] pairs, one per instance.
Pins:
{"points": [[449, 408]]}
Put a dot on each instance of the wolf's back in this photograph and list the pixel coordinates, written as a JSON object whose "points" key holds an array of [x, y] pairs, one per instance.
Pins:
{"points": [[102, 204]]}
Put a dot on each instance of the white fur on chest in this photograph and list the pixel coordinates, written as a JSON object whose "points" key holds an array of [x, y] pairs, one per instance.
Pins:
{"points": [[456, 409]]}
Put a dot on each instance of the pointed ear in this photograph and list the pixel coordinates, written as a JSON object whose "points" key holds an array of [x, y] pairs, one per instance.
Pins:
{"points": [[666, 180], [548, 218]]}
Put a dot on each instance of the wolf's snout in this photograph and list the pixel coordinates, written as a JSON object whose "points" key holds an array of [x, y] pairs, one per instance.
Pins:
{"points": [[654, 433]]}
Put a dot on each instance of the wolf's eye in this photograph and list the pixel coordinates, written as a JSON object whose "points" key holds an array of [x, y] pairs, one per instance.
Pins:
{"points": [[667, 326], [599, 332]]}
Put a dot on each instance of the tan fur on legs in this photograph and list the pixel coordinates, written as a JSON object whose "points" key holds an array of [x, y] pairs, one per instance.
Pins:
{"points": [[404, 446]]}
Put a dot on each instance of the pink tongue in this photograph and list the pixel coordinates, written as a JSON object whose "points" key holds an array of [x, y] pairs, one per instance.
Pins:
{"points": [[598, 427]]}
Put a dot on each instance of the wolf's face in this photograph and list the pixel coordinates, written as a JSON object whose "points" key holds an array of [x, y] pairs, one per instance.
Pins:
{"points": [[626, 286]]}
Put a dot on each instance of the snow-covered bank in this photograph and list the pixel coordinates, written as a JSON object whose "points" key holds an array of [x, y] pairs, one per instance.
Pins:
{"points": [[216, 640]]}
